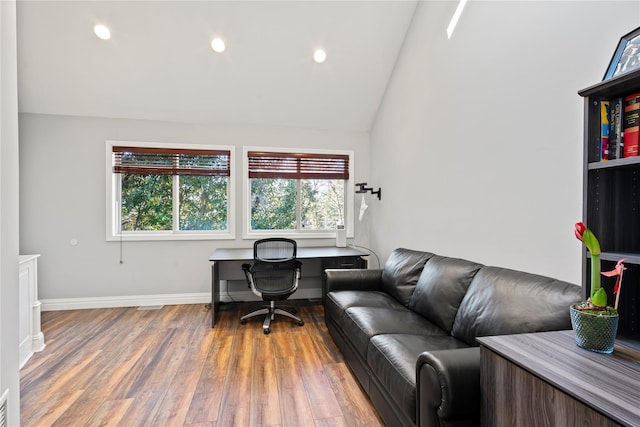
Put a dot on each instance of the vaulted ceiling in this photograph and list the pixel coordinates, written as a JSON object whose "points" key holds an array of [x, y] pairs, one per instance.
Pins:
{"points": [[159, 65]]}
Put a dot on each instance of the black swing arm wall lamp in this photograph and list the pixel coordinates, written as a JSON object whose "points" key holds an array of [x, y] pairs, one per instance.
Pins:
{"points": [[363, 189]]}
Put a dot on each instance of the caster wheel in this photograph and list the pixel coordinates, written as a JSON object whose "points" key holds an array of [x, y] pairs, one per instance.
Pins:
{"points": [[301, 323], [267, 331], [243, 321]]}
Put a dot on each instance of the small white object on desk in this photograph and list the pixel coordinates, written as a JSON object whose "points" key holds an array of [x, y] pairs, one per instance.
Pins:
{"points": [[341, 237]]}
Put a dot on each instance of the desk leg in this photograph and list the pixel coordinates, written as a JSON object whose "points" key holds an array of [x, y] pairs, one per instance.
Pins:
{"points": [[215, 292]]}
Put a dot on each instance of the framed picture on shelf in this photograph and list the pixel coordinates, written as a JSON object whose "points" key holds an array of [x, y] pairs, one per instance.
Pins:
{"points": [[626, 57]]}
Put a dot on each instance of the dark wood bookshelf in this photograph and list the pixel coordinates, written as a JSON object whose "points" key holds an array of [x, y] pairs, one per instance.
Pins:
{"points": [[611, 203]]}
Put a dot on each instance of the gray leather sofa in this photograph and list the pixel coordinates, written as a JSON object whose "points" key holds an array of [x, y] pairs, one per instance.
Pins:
{"points": [[408, 331]]}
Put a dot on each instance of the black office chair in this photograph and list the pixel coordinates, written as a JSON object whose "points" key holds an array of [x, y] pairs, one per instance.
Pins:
{"points": [[273, 277]]}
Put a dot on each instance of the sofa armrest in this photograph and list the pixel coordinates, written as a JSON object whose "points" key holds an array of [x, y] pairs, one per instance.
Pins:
{"points": [[351, 279], [448, 387]]}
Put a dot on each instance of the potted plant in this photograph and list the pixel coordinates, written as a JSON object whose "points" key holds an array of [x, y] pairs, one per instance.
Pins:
{"points": [[595, 323]]}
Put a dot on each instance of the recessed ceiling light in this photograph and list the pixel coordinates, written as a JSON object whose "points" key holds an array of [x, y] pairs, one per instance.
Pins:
{"points": [[319, 56], [102, 31], [217, 45]]}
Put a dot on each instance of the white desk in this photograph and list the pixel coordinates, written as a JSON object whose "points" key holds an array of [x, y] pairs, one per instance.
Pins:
{"points": [[226, 265]]}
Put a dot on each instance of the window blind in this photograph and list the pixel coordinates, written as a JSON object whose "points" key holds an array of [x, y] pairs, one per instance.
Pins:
{"points": [[170, 161], [298, 165]]}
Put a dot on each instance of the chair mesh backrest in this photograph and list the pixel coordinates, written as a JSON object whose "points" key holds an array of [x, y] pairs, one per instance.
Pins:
{"points": [[274, 250], [277, 278], [274, 269]]}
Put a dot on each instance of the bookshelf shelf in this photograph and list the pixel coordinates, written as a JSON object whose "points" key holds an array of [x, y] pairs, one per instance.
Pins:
{"points": [[612, 88], [617, 163], [630, 258], [611, 202]]}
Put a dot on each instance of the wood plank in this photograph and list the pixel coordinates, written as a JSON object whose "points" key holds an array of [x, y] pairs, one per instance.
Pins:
{"points": [[56, 407], [356, 406], [114, 364], [234, 408], [123, 366], [209, 392], [155, 373], [109, 414], [332, 422], [296, 408], [265, 401], [316, 383], [174, 408]]}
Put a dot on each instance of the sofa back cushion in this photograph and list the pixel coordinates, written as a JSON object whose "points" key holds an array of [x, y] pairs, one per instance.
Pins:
{"points": [[441, 288], [501, 301], [401, 271]]}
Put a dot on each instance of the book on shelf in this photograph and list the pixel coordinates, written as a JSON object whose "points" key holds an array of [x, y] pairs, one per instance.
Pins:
{"points": [[616, 135], [604, 131], [631, 125]]}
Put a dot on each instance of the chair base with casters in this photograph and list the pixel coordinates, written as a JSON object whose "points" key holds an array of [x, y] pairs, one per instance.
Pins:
{"points": [[274, 276], [270, 312]]}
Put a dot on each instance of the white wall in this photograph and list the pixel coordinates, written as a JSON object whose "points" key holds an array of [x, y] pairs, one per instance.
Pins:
{"points": [[478, 142], [9, 374], [58, 204]]}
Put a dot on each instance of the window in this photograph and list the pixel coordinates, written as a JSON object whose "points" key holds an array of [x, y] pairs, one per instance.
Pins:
{"points": [[162, 191], [299, 193]]}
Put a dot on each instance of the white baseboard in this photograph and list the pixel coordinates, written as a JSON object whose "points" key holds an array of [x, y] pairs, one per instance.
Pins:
{"points": [[25, 351], [56, 304], [38, 342], [124, 301]]}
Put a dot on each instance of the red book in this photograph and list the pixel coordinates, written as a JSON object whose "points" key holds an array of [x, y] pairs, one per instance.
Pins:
{"points": [[631, 124]]}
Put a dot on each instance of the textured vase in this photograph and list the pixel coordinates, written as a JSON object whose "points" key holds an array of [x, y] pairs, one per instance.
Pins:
{"points": [[594, 332]]}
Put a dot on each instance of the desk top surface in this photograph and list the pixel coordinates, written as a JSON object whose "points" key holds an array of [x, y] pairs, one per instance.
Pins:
{"points": [[605, 382], [239, 254]]}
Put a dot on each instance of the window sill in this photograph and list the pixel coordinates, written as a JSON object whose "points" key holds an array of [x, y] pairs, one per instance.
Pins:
{"points": [[292, 234], [147, 237]]}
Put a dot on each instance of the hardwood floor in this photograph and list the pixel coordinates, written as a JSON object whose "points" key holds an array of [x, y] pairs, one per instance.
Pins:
{"points": [[168, 367]]}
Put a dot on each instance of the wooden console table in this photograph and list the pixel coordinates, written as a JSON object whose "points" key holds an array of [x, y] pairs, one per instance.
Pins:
{"points": [[545, 379]]}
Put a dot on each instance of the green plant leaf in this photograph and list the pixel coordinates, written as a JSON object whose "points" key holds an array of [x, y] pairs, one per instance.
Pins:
{"points": [[599, 298]]}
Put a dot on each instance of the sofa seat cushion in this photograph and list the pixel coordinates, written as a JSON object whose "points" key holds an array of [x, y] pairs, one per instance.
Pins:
{"points": [[362, 323], [392, 359], [337, 302]]}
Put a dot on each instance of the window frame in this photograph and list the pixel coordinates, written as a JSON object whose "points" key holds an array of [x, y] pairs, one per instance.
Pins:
{"points": [[113, 188], [349, 189]]}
